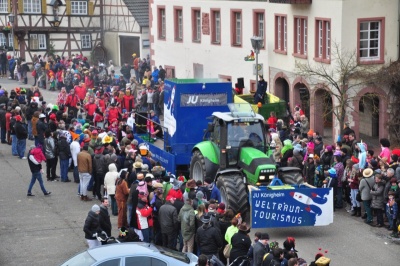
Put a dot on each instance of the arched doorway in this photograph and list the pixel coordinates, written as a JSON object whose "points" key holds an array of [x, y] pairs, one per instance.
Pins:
{"points": [[323, 115], [302, 97], [369, 118], [282, 89]]}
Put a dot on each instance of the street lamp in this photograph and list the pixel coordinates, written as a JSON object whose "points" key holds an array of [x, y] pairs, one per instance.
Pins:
{"points": [[11, 18], [256, 42]]}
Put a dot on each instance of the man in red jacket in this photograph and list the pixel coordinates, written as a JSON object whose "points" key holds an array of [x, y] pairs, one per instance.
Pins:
{"points": [[128, 102], [90, 108], [81, 91], [72, 102], [113, 113]]}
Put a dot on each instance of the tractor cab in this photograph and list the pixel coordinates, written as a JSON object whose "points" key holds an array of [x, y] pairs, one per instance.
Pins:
{"points": [[234, 130]]}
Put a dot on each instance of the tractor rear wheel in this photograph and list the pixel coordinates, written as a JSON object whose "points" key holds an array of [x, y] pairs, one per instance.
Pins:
{"points": [[234, 194], [197, 167], [291, 175]]}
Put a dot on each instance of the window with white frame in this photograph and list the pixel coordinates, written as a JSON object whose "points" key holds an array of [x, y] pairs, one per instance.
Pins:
{"points": [[10, 41], [300, 42], [196, 26], [3, 6], [86, 41], [237, 28], [259, 26], [178, 25], [3, 40], [161, 23], [32, 6], [37, 42], [370, 38], [280, 33], [216, 27], [79, 7], [323, 32]]}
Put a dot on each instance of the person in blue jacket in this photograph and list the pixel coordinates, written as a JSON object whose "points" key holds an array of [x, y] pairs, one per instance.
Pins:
{"points": [[212, 190]]}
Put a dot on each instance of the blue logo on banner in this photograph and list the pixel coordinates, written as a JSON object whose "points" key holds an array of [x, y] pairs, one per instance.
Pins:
{"points": [[288, 208]]}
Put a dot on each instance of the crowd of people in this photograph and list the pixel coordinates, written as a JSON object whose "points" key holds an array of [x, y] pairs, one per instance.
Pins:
{"points": [[367, 182], [89, 132]]}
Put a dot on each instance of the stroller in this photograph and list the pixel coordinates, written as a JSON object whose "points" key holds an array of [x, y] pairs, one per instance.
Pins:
{"points": [[105, 239]]}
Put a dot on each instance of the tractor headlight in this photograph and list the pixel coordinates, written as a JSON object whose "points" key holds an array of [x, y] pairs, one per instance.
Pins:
{"points": [[271, 177], [262, 177]]}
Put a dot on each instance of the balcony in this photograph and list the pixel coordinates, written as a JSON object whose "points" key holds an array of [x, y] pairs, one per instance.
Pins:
{"points": [[291, 1]]}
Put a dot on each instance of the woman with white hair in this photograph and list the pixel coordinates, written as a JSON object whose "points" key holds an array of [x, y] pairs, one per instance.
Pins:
{"points": [[111, 66]]}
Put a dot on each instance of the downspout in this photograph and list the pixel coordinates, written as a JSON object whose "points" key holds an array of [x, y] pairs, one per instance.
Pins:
{"points": [[102, 22]]}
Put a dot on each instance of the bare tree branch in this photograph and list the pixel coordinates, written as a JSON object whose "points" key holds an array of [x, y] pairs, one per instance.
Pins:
{"points": [[340, 78]]}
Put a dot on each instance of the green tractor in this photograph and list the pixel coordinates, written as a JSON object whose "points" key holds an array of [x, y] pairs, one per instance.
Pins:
{"points": [[236, 154]]}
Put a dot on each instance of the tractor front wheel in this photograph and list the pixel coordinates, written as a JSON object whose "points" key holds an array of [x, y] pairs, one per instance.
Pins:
{"points": [[197, 167], [234, 193]]}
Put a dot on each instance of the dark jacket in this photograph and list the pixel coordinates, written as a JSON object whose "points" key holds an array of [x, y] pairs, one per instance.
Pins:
{"points": [[259, 251], [33, 167], [41, 128], [104, 220], [209, 239], [99, 165], [187, 218], [92, 225], [3, 118], [241, 243], [168, 218], [64, 150], [377, 196], [20, 130], [33, 107]]}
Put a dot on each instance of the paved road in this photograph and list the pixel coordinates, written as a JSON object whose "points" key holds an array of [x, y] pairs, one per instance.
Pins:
{"points": [[48, 230]]}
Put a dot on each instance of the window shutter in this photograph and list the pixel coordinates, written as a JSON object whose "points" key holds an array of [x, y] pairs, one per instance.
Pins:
{"points": [[44, 7], [9, 6], [91, 8], [20, 6], [68, 7]]}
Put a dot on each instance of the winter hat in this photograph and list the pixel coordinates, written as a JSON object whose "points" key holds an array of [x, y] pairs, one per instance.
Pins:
{"points": [[95, 208], [332, 172], [211, 207], [199, 195], [337, 153], [297, 148], [145, 167], [18, 118], [329, 148]]}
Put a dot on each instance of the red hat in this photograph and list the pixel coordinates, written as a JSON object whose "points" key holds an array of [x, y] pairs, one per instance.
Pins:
{"points": [[53, 116], [396, 152], [354, 159], [18, 118], [170, 198]]}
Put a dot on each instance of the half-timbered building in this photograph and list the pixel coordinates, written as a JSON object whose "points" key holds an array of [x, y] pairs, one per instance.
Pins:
{"points": [[98, 29]]}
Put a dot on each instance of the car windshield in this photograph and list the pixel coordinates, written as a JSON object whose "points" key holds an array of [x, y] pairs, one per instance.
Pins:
{"points": [[173, 254], [82, 259]]}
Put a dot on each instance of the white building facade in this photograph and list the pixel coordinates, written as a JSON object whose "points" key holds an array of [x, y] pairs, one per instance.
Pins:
{"points": [[208, 39]]}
